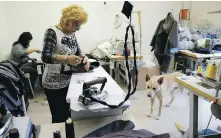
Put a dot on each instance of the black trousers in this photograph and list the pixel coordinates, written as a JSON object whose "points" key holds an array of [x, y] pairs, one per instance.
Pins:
{"points": [[58, 106]]}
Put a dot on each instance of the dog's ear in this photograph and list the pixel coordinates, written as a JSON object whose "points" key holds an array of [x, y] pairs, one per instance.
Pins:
{"points": [[160, 80], [147, 77]]}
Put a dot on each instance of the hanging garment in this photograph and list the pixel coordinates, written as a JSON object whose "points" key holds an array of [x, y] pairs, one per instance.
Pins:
{"points": [[12, 87], [165, 41]]}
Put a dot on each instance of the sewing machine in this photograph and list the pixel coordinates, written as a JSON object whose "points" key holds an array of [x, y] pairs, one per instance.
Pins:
{"points": [[115, 47]]}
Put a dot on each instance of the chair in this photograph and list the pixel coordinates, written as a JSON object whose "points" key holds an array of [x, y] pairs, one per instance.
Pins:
{"points": [[27, 76], [181, 63]]}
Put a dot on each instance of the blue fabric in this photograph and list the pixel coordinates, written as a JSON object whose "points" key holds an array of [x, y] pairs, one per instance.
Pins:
{"points": [[172, 51], [208, 132]]}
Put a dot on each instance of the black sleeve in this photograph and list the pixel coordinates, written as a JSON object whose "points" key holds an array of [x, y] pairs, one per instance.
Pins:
{"points": [[50, 41], [153, 41]]}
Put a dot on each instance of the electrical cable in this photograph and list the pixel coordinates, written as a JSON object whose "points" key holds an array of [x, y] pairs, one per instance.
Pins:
{"points": [[129, 93], [208, 124], [217, 92]]}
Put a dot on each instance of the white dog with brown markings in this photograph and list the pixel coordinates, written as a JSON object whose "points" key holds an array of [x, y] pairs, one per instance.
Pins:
{"points": [[158, 85]]}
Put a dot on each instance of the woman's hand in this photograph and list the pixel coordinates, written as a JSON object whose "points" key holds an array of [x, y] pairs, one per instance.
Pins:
{"points": [[29, 51], [37, 50], [86, 62], [74, 60]]}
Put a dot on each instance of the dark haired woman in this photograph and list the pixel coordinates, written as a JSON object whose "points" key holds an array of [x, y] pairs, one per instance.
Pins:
{"points": [[20, 52]]}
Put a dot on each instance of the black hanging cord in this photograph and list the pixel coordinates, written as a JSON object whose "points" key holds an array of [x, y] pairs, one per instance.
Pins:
{"points": [[129, 93]]}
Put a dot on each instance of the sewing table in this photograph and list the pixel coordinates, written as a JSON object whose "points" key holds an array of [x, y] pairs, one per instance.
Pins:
{"points": [[196, 90], [115, 60], [197, 57], [115, 96]]}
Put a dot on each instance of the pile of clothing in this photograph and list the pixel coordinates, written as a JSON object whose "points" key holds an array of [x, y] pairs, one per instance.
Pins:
{"points": [[12, 87], [185, 38], [170, 37], [123, 129]]}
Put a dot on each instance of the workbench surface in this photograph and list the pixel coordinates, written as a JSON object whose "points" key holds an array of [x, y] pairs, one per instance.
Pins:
{"points": [[198, 55], [116, 94], [190, 82]]}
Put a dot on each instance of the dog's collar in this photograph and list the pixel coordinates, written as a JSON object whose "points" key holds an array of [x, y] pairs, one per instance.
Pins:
{"points": [[157, 93]]}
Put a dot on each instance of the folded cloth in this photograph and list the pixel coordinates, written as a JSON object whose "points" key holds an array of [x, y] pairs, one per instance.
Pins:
{"points": [[116, 126], [201, 50], [132, 134], [79, 68], [123, 129], [93, 65]]}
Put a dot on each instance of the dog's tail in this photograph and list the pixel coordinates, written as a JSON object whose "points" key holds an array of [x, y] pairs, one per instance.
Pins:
{"points": [[182, 89], [179, 128]]}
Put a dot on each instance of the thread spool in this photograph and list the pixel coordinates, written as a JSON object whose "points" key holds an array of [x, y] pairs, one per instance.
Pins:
{"points": [[69, 128], [211, 71], [57, 134], [13, 133], [184, 14], [200, 70]]}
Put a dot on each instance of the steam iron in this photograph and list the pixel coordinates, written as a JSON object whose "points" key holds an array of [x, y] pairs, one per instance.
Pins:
{"points": [[89, 91]]}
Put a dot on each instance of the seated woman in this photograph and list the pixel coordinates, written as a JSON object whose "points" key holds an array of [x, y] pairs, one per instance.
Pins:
{"points": [[20, 52]]}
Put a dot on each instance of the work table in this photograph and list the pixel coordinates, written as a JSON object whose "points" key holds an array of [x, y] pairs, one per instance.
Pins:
{"points": [[196, 91], [115, 95], [199, 55], [190, 82]]}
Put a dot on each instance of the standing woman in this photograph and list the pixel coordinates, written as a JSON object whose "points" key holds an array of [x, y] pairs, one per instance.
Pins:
{"points": [[20, 52], [60, 48]]}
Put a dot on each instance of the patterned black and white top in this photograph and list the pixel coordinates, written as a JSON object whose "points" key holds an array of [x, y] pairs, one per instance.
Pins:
{"points": [[57, 43]]}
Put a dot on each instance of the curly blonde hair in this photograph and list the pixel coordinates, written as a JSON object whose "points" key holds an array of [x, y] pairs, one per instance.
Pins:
{"points": [[74, 13]]}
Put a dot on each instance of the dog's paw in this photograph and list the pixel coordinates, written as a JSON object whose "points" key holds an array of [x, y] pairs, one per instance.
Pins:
{"points": [[149, 115], [167, 105], [157, 117]]}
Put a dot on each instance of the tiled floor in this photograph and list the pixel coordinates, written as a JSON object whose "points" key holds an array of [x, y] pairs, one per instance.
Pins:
{"points": [[178, 112]]}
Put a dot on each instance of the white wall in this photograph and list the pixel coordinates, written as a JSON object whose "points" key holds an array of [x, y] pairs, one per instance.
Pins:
{"points": [[37, 16], [5, 45], [199, 11]]}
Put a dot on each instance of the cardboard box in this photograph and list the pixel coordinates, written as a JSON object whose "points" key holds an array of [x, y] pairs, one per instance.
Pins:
{"points": [[142, 71]]}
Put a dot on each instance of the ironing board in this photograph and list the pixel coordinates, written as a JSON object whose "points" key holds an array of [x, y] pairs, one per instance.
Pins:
{"points": [[116, 95]]}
